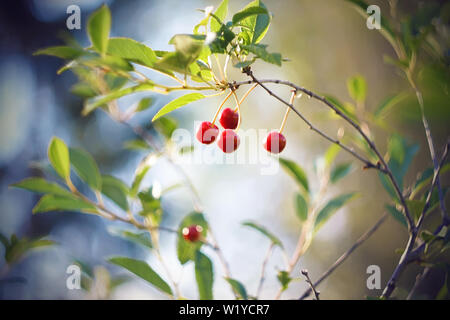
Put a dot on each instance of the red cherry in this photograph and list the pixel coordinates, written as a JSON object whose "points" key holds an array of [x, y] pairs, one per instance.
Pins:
{"points": [[229, 119], [275, 142], [192, 233], [228, 141], [207, 132]]}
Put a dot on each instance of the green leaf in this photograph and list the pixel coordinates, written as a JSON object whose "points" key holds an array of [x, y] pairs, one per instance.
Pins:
{"points": [[221, 14], [346, 109], [397, 215], [144, 104], [86, 167], [238, 288], [177, 103], [261, 52], [388, 104], [40, 185], [143, 271], [296, 172], [247, 12], [284, 279], [132, 51], [63, 52], [115, 190], [58, 154], [98, 27], [401, 155], [188, 46], [142, 238], [263, 231], [186, 250], [256, 25], [330, 208], [396, 148], [166, 126], [204, 275], [51, 202], [415, 207], [331, 154], [357, 88], [301, 207], [19, 247], [340, 172], [96, 102], [136, 144], [139, 176]]}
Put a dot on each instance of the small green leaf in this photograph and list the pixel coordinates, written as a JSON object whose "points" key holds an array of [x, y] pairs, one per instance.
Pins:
{"points": [[132, 51], [98, 27], [204, 275], [263, 231], [401, 155], [136, 144], [388, 104], [86, 167], [58, 154], [177, 103], [186, 250], [51, 202], [166, 126], [357, 88], [256, 25], [284, 278], [301, 207], [331, 154], [247, 12], [139, 176], [238, 288], [397, 215], [346, 109], [221, 14], [330, 208], [116, 190], [396, 148], [143, 271], [340, 172], [142, 238], [415, 207], [63, 52], [144, 104], [261, 52], [296, 172], [96, 102], [40, 185]]}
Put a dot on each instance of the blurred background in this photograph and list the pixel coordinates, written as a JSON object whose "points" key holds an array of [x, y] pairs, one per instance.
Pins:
{"points": [[327, 42]]}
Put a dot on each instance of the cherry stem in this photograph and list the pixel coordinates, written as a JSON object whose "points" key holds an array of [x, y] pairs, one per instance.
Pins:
{"points": [[220, 107], [291, 101], [245, 96], [238, 103]]}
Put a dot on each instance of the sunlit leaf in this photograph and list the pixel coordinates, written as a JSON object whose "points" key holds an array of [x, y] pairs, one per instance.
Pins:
{"points": [[63, 52], [247, 12], [256, 25], [132, 51], [177, 103], [98, 27], [221, 14], [357, 88], [58, 154], [143, 271]]}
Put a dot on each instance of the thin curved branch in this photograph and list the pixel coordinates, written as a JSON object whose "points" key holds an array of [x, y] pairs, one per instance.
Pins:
{"points": [[346, 254]]}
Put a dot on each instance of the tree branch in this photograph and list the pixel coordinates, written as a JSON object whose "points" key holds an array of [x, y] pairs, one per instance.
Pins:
{"points": [[311, 285], [346, 254]]}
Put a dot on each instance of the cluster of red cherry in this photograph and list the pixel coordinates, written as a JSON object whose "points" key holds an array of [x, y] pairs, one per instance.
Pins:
{"points": [[229, 140]]}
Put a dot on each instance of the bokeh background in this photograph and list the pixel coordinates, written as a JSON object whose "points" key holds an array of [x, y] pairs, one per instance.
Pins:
{"points": [[327, 42]]}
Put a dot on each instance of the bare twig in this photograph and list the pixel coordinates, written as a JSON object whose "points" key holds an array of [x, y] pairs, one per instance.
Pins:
{"points": [[263, 270], [346, 254], [406, 258], [311, 285]]}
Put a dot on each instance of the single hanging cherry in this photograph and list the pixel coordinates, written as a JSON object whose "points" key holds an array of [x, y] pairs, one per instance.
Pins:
{"points": [[275, 142], [207, 132], [229, 119], [192, 233], [228, 141]]}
